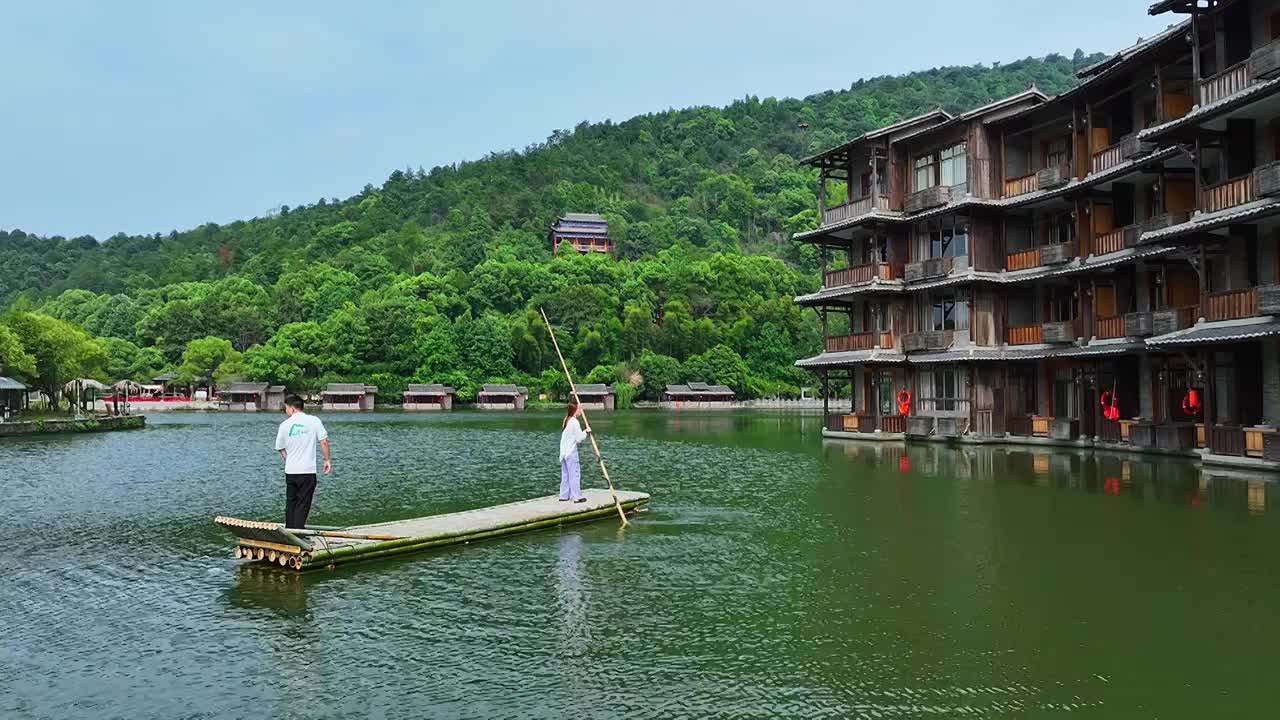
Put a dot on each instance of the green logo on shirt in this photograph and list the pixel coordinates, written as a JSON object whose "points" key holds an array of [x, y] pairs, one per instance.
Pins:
{"points": [[297, 429]]}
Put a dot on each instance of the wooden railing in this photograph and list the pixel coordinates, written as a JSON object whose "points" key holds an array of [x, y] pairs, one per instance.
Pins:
{"points": [[1025, 334], [893, 423], [1255, 441], [1023, 259], [1109, 242], [1109, 327], [1109, 431], [1060, 331], [859, 341], [1021, 185], [1231, 304], [1228, 193], [1018, 425], [1040, 425], [859, 274], [1107, 158], [1226, 83], [1225, 440], [848, 210]]}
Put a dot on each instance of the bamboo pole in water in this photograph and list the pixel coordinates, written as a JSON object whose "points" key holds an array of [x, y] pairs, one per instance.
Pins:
{"points": [[574, 389]]}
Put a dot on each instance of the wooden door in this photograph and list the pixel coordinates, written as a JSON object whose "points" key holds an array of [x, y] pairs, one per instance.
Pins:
{"points": [[1104, 219], [1179, 195], [1104, 301]]}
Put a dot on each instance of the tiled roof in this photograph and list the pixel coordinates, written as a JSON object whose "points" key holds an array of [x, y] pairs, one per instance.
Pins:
{"points": [[593, 389], [1211, 221], [698, 388], [1229, 331], [433, 389], [939, 114], [246, 387], [852, 357], [499, 389], [1201, 113], [8, 383]]}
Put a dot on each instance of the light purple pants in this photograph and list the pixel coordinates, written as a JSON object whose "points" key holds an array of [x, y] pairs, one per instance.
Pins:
{"points": [[570, 478]]}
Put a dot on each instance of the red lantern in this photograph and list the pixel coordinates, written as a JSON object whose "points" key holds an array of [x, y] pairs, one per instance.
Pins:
{"points": [[1191, 402], [904, 402]]}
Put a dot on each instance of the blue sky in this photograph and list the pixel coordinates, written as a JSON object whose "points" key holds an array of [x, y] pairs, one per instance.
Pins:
{"points": [[144, 117]]}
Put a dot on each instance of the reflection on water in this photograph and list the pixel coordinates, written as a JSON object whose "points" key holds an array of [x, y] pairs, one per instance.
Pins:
{"points": [[1150, 478], [777, 575]]}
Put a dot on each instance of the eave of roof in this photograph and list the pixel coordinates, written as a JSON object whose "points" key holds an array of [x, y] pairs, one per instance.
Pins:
{"points": [[878, 133], [1201, 113]]}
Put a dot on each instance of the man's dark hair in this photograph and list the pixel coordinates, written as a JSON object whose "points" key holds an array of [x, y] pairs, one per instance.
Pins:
{"points": [[294, 402]]}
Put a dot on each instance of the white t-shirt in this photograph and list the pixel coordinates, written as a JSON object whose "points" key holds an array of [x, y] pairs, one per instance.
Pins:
{"points": [[298, 436], [570, 437]]}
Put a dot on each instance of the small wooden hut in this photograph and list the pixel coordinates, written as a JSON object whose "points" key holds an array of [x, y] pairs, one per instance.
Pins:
{"points": [[501, 397], [428, 397], [596, 396], [697, 396], [251, 397], [14, 397], [348, 396]]}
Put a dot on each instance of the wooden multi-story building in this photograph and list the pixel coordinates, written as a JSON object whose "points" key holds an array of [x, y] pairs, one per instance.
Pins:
{"points": [[1095, 268], [586, 232]]}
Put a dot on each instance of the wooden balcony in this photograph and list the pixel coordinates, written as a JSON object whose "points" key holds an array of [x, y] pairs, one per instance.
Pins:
{"points": [[1059, 253], [1228, 194], [1137, 324], [842, 423], [849, 210], [1025, 334], [1106, 328], [933, 267], [1116, 240], [859, 274], [935, 196], [929, 340], [1109, 431], [1268, 299], [1021, 185], [1226, 83], [1107, 158], [1231, 304], [1023, 259], [1164, 322], [1054, 176], [1264, 62], [1064, 331], [859, 341]]}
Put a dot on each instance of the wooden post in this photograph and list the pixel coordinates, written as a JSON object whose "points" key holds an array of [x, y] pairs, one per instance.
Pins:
{"points": [[826, 398], [1209, 415], [1088, 137], [822, 196], [875, 180], [848, 186]]}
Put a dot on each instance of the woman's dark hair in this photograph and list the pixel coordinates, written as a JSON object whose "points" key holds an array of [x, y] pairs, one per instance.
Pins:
{"points": [[570, 408]]}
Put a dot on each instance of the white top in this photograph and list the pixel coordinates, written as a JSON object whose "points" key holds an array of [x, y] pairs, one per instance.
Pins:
{"points": [[298, 436], [570, 437]]}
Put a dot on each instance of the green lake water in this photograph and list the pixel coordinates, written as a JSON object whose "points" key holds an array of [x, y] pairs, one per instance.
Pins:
{"points": [[776, 575]]}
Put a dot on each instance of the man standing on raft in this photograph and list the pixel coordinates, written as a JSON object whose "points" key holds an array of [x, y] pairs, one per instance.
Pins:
{"points": [[571, 433], [296, 440]]}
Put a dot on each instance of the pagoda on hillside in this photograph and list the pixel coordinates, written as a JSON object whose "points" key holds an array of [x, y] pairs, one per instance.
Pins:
{"points": [[586, 232]]}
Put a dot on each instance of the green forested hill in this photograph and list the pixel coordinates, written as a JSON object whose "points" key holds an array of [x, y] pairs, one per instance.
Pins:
{"points": [[437, 275]]}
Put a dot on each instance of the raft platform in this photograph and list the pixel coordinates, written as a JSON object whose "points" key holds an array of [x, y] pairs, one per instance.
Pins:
{"points": [[309, 549]]}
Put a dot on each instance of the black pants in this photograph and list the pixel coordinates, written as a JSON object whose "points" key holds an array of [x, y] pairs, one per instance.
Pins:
{"points": [[297, 499]]}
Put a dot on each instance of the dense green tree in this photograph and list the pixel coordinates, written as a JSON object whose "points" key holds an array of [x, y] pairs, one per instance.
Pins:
{"points": [[210, 358], [14, 358], [62, 351]]}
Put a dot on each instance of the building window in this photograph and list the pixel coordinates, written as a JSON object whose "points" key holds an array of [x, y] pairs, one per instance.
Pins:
{"points": [[882, 387], [1065, 400], [944, 389], [926, 171], [1055, 153], [948, 237], [948, 166], [876, 250], [947, 310], [1062, 229]]}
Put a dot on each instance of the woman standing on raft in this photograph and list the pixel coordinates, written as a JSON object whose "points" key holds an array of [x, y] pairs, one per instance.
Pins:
{"points": [[571, 434]]}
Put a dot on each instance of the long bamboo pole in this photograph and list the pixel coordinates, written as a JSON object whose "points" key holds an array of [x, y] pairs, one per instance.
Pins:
{"points": [[594, 446]]}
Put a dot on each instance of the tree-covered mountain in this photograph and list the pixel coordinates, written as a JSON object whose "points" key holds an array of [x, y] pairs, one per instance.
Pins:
{"points": [[437, 275]]}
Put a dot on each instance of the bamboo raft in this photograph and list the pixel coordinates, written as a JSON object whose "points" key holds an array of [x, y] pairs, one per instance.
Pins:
{"points": [[312, 548]]}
